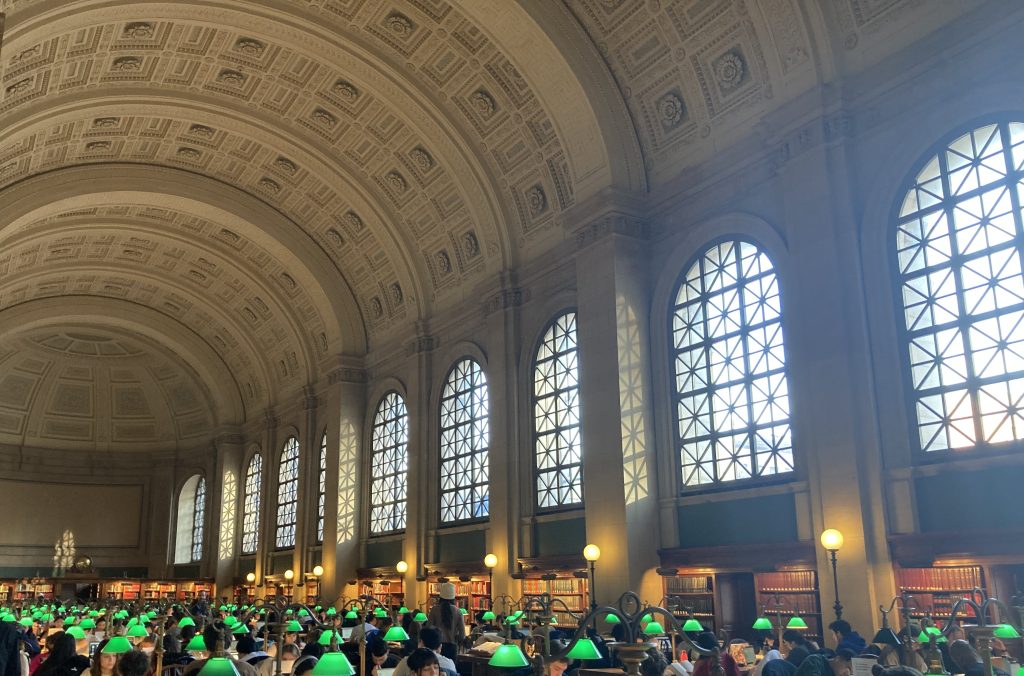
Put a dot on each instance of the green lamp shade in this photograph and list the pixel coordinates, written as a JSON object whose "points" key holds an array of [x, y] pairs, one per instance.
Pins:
{"points": [[132, 622], [240, 629], [509, 656], [293, 627], [396, 634], [654, 629], [1005, 631], [647, 618], [303, 612], [463, 611], [197, 644], [351, 615], [489, 616], [584, 650], [75, 633], [420, 617], [693, 625], [612, 618], [318, 608], [26, 621], [219, 666], [37, 614], [331, 612], [151, 614], [138, 631], [763, 624], [94, 613], [1020, 672], [517, 614], [231, 621], [10, 618], [333, 664], [796, 622], [222, 608], [87, 623], [187, 622], [380, 612], [554, 621], [403, 610], [117, 645], [886, 636], [325, 638]]}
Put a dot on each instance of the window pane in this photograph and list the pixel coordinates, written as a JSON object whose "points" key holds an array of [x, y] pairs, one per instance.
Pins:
{"points": [[958, 254], [251, 506], [465, 442], [731, 392], [322, 495], [287, 494], [227, 516], [390, 465], [556, 417], [198, 513]]}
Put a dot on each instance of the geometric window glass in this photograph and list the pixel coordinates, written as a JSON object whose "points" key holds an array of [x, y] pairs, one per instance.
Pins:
{"points": [[229, 495], [390, 463], [556, 397], [322, 487], [287, 494], [959, 241], [198, 512], [251, 505], [730, 389], [465, 440]]}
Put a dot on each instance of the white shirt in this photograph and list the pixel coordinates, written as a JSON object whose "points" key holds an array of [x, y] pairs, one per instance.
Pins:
{"points": [[403, 667]]}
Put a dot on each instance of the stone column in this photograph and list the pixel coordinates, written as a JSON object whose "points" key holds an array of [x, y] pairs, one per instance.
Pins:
{"points": [[616, 421], [421, 448], [268, 520], [224, 553], [327, 416], [308, 492]]}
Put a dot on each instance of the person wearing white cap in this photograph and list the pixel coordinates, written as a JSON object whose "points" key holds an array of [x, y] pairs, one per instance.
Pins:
{"points": [[448, 620]]}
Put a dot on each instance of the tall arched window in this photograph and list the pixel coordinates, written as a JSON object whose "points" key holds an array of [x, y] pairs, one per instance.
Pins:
{"points": [[389, 465], [188, 539], [731, 395], [229, 494], [251, 505], [322, 487], [287, 494], [959, 241], [465, 441], [556, 416]]}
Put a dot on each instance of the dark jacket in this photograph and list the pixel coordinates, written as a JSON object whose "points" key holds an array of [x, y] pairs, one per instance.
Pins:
{"points": [[853, 642], [75, 666], [10, 660], [778, 668]]}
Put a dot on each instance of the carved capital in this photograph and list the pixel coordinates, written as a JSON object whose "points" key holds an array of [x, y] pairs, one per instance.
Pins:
{"points": [[423, 343], [506, 298], [309, 399], [346, 375], [615, 223]]}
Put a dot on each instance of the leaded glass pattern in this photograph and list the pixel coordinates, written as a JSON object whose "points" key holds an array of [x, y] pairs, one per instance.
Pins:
{"points": [[322, 487], [287, 494], [389, 466], [959, 239], [731, 393], [556, 416], [198, 514], [229, 495], [465, 441], [251, 505]]}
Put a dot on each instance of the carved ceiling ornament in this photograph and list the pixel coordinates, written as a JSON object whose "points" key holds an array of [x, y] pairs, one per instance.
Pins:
{"points": [[139, 30], [483, 103], [127, 64], [399, 24], [346, 91], [231, 77], [250, 47]]}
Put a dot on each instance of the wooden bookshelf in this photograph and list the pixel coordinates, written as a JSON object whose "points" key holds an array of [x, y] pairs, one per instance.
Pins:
{"points": [[388, 591], [473, 595], [798, 594], [6, 591], [188, 591], [571, 590], [155, 591], [936, 589], [691, 595]]}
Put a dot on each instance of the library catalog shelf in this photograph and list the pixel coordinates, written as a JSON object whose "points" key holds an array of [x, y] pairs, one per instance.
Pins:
{"points": [[572, 591]]}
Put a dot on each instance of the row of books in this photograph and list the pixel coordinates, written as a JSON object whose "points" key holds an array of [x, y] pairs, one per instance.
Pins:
{"points": [[795, 605], [560, 586], [940, 579], [689, 584], [474, 588], [696, 604], [788, 581]]}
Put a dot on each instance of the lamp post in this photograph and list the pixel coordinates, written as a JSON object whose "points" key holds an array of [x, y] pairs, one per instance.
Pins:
{"points": [[490, 562], [317, 573], [592, 553], [832, 541], [289, 575]]}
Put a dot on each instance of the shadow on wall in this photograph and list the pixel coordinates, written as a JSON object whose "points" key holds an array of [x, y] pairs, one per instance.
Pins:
{"points": [[347, 454], [64, 554]]}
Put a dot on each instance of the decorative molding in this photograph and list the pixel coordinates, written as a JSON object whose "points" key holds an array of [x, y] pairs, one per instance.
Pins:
{"points": [[347, 375], [506, 298], [621, 224], [423, 343]]}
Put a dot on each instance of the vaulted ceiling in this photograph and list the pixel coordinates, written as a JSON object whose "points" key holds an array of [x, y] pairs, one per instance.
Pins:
{"points": [[279, 183]]}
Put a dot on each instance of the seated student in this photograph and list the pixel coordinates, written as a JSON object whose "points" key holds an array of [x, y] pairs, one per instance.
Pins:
{"points": [[846, 637], [968, 661], [430, 638], [703, 665], [63, 658], [211, 636], [423, 662], [841, 664], [249, 653], [797, 647], [133, 663], [311, 654], [378, 657]]}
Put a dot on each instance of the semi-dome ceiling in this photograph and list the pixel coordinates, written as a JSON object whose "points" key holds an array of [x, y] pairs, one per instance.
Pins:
{"points": [[87, 387], [283, 184]]}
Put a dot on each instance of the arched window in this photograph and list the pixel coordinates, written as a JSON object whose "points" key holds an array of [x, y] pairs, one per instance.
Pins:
{"points": [[389, 465], [322, 484], [251, 505], [556, 416], [188, 540], [287, 494], [465, 440], [731, 394], [959, 240]]}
